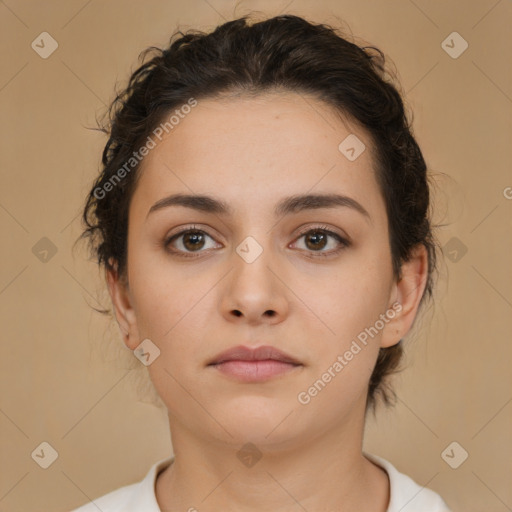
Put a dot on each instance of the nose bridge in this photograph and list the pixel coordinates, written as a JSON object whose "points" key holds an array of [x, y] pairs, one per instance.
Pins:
{"points": [[252, 260], [254, 291]]}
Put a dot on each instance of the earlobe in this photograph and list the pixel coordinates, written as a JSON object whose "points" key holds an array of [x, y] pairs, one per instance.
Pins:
{"points": [[123, 309], [406, 296]]}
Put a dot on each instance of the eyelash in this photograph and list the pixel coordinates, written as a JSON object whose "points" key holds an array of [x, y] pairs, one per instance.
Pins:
{"points": [[322, 254]]}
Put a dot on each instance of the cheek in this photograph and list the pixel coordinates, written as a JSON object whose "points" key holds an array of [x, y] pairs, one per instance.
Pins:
{"points": [[354, 298], [341, 384], [164, 297], [176, 312], [344, 359]]}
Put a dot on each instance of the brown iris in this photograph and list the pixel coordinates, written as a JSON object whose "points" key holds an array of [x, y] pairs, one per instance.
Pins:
{"points": [[193, 240], [316, 236]]}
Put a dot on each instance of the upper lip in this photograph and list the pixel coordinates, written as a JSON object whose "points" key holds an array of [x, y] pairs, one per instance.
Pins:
{"points": [[243, 353]]}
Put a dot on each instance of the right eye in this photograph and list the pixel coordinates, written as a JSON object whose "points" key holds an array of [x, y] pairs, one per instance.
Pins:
{"points": [[188, 241]]}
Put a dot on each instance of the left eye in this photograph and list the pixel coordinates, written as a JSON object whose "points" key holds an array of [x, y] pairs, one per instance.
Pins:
{"points": [[317, 239]]}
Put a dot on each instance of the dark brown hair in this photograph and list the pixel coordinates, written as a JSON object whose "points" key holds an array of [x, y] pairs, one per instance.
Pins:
{"points": [[281, 53]]}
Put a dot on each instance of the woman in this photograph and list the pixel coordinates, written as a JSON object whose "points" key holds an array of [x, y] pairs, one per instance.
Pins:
{"points": [[263, 220]]}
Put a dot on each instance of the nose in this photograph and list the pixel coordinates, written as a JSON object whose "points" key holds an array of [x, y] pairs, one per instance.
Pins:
{"points": [[255, 292]]}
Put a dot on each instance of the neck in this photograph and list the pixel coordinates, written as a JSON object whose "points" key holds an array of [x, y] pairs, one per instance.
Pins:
{"points": [[326, 473]]}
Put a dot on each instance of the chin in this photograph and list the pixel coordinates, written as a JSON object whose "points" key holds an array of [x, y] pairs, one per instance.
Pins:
{"points": [[261, 420]]}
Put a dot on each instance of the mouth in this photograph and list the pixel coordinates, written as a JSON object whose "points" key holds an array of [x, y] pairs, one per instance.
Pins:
{"points": [[254, 365]]}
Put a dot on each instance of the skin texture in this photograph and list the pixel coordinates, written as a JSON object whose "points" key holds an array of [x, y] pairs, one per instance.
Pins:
{"points": [[251, 153]]}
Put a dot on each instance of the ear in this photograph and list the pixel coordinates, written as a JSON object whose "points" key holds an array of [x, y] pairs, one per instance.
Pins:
{"points": [[123, 308], [405, 296]]}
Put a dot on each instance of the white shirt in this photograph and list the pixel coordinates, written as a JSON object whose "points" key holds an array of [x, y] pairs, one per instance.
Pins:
{"points": [[405, 494]]}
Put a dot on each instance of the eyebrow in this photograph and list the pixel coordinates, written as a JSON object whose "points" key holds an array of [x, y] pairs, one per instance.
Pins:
{"points": [[286, 206]]}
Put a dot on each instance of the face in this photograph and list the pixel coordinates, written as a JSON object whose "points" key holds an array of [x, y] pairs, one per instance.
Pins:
{"points": [[311, 278]]}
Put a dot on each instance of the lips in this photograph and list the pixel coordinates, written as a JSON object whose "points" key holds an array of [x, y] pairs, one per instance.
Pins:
{"points": [[254, 365], [263, 353]]}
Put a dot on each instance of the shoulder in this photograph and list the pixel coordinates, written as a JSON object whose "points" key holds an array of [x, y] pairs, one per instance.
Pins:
{"points": [[130, 498], [405, 494], [114, 501]]}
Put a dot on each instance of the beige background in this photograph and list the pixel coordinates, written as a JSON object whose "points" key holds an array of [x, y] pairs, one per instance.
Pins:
{"points": [[60, 386]]}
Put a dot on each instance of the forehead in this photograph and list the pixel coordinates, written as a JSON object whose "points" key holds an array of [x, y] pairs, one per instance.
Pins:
{"points": [[258, 148]]}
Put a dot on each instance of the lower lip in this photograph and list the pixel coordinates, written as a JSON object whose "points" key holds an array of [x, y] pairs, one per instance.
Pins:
{"points": [[255, 371]]}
